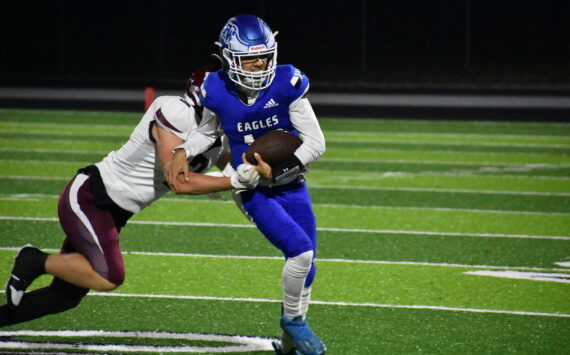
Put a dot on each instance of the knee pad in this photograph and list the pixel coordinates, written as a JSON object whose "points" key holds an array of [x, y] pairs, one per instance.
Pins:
{"points": [[300, 265]]}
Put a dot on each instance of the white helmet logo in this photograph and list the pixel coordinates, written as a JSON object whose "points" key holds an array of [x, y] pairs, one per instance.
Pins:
{"points": [[229, 33]]}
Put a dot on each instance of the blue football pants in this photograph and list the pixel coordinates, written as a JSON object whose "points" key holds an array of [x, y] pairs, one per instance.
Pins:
{"points": [[284, 215]]}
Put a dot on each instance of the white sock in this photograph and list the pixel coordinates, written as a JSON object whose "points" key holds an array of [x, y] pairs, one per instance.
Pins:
{"points": [[305, 299], [295, 272]]}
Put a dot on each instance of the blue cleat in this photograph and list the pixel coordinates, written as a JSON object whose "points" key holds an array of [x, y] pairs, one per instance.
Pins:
{"points": [[279, 351], [306, 341]]}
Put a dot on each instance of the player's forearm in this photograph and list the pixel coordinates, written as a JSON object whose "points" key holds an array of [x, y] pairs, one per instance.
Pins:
{"points": [[165, 142], [202, 184]]}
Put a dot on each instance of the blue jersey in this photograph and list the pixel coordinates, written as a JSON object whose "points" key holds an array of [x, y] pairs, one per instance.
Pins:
{"points": [[244, 123]]}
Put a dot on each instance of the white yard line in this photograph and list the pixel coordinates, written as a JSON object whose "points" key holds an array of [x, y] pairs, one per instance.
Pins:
{"points": [[43, 162], [323, 260], [344, 230], [523, 275], [328, 303], [416, 189], [62, 151], [332, 120], [48, 134], [446, 162], [441, 209], [452, 144], [449, 152], [48, 178], [15, 197], [349, 187], [463, 173], [457, 135], [447, 234], [369, 161]]}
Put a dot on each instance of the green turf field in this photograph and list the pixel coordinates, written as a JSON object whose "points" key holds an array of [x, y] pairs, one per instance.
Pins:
{"points": [[437, 237]]}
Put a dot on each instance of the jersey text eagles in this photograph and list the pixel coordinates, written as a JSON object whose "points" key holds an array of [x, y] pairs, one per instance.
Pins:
{"points": [[255, 125]]}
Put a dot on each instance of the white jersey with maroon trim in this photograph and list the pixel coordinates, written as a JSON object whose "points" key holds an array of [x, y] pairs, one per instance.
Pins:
{"points": [[132, 175]]}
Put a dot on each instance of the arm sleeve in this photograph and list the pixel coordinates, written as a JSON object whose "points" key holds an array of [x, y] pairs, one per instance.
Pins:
{"points": [[202, 137], [305, 122]]}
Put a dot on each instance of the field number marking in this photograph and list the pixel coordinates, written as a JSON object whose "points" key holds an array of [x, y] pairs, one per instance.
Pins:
{"points": [[536, 276]]}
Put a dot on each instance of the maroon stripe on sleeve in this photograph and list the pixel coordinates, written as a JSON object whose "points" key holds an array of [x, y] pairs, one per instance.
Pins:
{"points": [[160, 117]]}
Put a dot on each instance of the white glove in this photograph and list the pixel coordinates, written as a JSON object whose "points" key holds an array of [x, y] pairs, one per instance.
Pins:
{"points": [[245, 177], [228, 170]]}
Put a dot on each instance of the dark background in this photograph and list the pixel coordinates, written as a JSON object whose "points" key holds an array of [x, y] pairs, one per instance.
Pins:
{"points": [[366, 44]]}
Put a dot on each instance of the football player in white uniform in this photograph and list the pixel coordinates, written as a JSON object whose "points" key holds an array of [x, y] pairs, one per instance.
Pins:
{"points": [[101, 198]]}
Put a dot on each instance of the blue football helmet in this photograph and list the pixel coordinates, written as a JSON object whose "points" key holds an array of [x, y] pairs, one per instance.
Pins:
{"points": [[243, 37]]}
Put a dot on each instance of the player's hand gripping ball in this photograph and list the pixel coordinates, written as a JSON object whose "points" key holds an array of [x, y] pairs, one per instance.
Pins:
{"points": [[274, 147]]}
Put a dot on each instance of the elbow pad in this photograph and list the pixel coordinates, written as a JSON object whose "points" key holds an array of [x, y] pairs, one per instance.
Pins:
{"points": [[290, 167]]}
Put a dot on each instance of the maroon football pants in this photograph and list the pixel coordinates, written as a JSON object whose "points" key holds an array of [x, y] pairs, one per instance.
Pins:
{"points": [[90, 231]]}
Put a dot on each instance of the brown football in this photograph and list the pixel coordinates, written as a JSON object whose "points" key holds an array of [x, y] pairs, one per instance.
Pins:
{"points": [[274, 147]]}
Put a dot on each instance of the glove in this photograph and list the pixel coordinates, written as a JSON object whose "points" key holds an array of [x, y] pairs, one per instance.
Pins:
{"points": [[245, 177]]}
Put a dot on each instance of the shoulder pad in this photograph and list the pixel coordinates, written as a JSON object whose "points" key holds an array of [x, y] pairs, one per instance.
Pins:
{"points": [[175, 116], [209, 80], [297, 78], [299, 82]]}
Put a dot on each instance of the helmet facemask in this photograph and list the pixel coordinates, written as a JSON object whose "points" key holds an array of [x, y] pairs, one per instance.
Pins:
{"points": [[254, 80], [247, 37]]}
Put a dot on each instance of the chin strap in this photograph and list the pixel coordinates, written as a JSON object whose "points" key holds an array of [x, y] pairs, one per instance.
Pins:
{"points": [[290, 167]]}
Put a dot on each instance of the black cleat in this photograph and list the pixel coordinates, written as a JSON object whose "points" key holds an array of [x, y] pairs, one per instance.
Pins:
{"points": [[28, 266]]}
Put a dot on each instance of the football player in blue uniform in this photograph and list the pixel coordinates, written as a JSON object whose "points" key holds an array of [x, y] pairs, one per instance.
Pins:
{"points": [[250, 96]]}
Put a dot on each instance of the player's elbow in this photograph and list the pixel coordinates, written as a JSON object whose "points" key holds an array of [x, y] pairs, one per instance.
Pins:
{"points": [[198, 185], [318, 150], [321, 149]]}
